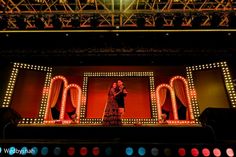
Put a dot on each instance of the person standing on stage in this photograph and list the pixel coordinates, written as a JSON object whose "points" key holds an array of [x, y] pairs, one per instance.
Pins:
{"points": [[120, 97], [112, 116]]}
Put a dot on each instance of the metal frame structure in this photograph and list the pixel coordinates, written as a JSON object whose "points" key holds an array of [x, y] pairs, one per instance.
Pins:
{"points": [[113, 13]]}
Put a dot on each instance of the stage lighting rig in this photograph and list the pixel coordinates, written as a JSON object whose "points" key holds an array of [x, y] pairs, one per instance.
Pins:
{"points": [[110, 13], [141, 21], [56, 22], [197, 20], [94, 22], [215, 20], [232, 20], [75, 21], [21, 22], [177, 20], [39, 22], [3, 22], [160, 21]]}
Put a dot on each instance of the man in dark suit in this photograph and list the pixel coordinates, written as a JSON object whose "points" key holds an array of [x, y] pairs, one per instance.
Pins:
{"points": [[120, 98]]}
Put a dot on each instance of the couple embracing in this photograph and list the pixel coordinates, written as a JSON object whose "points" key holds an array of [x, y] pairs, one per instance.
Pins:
{"points": [[115, 104]]}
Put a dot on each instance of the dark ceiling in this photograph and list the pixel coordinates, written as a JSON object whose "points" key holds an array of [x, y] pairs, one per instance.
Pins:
{"points": [[118, 48]]}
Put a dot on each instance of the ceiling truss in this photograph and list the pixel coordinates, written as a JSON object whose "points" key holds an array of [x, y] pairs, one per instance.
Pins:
{"points": [[114, 13]]}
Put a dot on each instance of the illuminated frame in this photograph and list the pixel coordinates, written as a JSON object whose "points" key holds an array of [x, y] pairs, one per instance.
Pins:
{"points": [[173, 102], [11, 85], [227, 79], [153, 120]]}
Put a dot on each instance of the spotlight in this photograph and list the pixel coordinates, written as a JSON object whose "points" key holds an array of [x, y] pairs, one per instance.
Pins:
{"points": [[181, 152], [94, 21], [232, 20], [108, 151], [230, 152], [177, 20], [194, 152], [155, 151], [206, 152], [96, 151], [57, 151], [83, 151], [167, 152], [71, 151], [56, 22], [129, 151], [160, 21], [197, 21], [24, 151], [75, 21], [44, 151], [141, 151], [12, 151], [20, 22], [217, 152], [215, 20], [3, 22], [39, 22], [34, 151], [141, 22]]}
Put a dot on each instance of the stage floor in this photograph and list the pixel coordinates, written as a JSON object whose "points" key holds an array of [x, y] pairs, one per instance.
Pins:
{"points": [[160, 133]]}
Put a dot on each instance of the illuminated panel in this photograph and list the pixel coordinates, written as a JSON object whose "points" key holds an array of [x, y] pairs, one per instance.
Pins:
{"points": [[11, 84], [84, 120], [228, 84]]}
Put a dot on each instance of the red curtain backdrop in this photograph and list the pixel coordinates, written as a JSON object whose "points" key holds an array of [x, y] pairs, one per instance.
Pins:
{"points": [[72, 99], [180, 92], [74, 95], [55, 91], [59, 100], [167, 105], [27, 94], [69, 106], [137, 102], [162, 95]]}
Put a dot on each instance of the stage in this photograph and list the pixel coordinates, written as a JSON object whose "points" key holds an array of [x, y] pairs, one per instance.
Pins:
{"points": [[65, 105]]}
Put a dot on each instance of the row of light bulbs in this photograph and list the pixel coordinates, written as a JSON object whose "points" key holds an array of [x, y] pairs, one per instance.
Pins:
{"points": [[43, 106], [153, 98], [84, 99], [180, 122], [195, 106], [117, 74], [32, 67], [207, 66], [229, 85], [10, 88], [124, 121]]}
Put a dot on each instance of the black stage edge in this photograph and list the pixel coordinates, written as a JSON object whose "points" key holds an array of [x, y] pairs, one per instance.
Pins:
{"points": [[132, 134]]}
